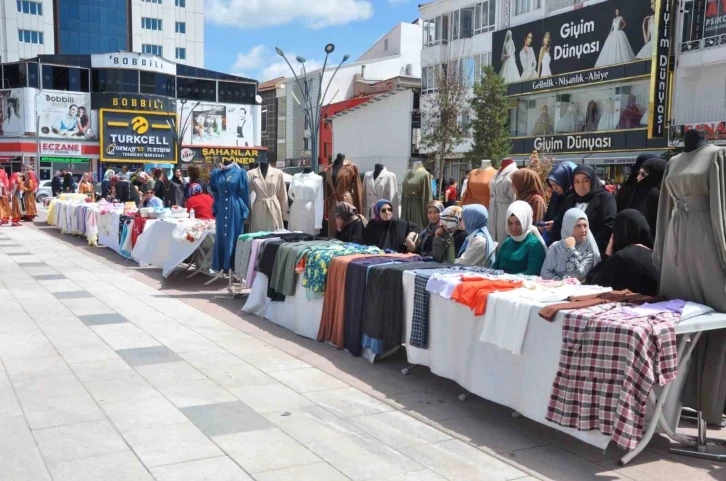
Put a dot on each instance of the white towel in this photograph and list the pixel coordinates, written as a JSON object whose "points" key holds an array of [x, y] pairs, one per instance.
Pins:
{"points": [[506, 320]]}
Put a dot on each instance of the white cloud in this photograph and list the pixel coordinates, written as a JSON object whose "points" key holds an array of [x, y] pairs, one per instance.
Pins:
{"points": [[262, 63], [267, 13]]}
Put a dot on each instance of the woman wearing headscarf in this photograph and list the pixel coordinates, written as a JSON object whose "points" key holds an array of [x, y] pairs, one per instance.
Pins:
{"points": [[85, 187], [424, 242], [459, 234], [560, 181], [388, 233], [106, 183], [628, 261], [628, 187], [524, 251], [576, 254], [200, 203], [528, 187], [589, 196], [647, 191], [443, 245], [478, 248], [349, 224]]}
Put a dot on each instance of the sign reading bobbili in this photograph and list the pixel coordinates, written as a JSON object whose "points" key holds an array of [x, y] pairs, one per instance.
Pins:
{"points": [[132, 136]]}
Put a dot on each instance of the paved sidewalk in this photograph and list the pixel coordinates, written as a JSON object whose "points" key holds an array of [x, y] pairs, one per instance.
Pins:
{"points": [[108, 373]]}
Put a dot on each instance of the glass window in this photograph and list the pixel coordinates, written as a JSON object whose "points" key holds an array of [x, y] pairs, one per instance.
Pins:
{"points": [[484, 17], [33, 78], [263, 120], [196, 89], [181, 53], [180, 3], [526, 6], [14, 75], [237, 93], [181, 27], [466, 28], [157, 84], [151, 49], [455, 25], [115, 80], [86, 27]]}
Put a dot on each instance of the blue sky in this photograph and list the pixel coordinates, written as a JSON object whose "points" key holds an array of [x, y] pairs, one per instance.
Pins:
{"points": [[241, 35]]}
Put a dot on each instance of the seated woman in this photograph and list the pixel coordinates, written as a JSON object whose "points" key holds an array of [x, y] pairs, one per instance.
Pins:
{"points": [[388, 233], [349, 223], [524, 251], [444, 245], [424, 242], [576, 254], [628, 261], [459, 234], [559, 180], [478, 248], [201, 203]]}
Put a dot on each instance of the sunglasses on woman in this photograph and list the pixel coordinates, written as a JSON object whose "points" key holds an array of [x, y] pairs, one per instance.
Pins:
{"points": [[385, 209]]}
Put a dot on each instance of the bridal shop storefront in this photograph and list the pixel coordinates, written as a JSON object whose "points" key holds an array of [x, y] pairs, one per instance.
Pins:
{"points": [[585, 85]]}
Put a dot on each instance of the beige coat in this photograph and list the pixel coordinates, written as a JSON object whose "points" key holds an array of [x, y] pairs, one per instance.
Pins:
{"points": [[269, 208], [383, 187], [502, 194]]}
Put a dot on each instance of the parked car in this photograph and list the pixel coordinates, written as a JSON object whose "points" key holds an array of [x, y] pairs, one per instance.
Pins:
{"points": [[44, 191]]}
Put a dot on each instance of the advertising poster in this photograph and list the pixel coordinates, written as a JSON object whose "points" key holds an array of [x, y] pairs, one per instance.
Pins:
{"points": [[66, 115], [216, 124], [715, 21], [12, 121], [601, 35], [715, 133], [132, 136]]}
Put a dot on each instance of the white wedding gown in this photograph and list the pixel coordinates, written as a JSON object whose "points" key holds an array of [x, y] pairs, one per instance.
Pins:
{"points": [[509, 71], [568, 122], [529, 63], [647, 50], [546, 59], [644, 119], [607, 119], [616, 48]]}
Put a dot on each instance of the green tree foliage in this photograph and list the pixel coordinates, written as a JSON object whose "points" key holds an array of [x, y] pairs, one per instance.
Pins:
{"points": [[490, 122]]}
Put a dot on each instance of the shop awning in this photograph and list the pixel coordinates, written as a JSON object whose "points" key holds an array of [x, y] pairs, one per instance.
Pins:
{"points": [[617, 158]]}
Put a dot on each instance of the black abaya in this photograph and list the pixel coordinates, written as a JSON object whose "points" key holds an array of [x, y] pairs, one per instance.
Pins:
{"points": [[389, 235]]}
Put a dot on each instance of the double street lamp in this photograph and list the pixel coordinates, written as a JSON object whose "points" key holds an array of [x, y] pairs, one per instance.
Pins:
{"points": [[312, 104]]}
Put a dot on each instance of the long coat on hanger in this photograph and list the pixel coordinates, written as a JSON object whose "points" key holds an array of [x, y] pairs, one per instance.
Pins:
{"points": [[269, 209], [230, 188], [415, 196], [384, 186], [502, 194], [690, 251], [347, 187]]}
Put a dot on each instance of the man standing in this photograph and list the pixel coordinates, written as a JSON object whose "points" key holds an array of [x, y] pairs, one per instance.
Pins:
{"points": [[56, 185], [69, 183]]}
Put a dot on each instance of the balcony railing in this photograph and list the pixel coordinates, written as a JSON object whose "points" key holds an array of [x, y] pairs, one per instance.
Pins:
{"points": [[703, 44]]}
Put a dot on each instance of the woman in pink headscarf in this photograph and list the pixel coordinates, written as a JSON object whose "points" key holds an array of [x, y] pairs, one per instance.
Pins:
{"points": [[4, 198]]}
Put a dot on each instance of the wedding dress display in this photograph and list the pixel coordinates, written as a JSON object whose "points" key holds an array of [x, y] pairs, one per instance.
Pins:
{"points": [[529, 63], [592, 117], [569, 122], [608, 120], [647, 50], [509, 71], [616, 48], [543, 125]]}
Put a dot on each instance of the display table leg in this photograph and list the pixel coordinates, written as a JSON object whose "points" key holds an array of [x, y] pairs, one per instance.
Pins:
{"points": [[408, 369]]}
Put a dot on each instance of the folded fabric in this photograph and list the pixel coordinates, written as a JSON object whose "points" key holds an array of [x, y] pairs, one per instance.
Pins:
{"points": [[579, 302], [506, 320], [474, 291]]}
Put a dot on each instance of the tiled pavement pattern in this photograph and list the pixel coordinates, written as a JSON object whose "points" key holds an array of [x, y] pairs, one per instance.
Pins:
{"points": [[104, 377]]}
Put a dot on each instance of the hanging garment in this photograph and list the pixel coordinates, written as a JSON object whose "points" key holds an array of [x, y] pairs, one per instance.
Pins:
{"points": [[477, 189], [690, 220], [415, 195], [345, 186], [474, 291], [269, 209], [502, 195], [384, 186], [306, 211], [230, 188]]}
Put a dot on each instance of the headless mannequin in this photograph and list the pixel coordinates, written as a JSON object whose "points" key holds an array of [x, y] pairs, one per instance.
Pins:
{"points": [[377, 171], [337, 164], [307, 170], [263, 168], [694, 139], [505, 163], [485, 164]]}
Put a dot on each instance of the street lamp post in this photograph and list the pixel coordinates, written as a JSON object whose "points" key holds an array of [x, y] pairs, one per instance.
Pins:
{"points": [[312, 105]]}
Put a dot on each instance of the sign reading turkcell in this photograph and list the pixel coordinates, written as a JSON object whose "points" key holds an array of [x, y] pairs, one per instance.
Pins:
{"points": [[132, 136], [135, 61]]}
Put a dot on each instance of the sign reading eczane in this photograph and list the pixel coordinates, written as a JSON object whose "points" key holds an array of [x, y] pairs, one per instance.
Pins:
{"points": [[131, 136]]}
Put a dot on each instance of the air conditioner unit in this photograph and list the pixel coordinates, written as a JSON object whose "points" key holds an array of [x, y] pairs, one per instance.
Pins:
{"points": [[409, 69]]}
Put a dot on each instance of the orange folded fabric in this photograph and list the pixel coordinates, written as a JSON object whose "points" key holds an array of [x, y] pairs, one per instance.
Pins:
{"points": [[474, 291]]}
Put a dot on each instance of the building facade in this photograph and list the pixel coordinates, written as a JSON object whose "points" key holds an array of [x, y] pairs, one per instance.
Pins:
{"points": [[583, 78], [90, 112], [272, 124], [173, 29]]}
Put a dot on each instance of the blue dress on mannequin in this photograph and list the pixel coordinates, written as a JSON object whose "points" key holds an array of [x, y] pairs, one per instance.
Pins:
{"points": [[230, 188]]}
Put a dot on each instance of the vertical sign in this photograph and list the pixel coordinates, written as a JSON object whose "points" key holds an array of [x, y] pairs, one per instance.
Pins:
{"points": [[658, 106], [697, 18]]}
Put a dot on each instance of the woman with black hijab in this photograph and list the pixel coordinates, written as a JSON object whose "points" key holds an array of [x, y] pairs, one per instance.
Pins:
{"points": [[349, 223], [628, 187], [388, 233], [628, 260], [589, 196], [647, 191]]}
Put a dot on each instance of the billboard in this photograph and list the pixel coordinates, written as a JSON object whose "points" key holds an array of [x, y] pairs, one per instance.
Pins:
{"points": [[64, 115], [133, 136], [714, 132], [124, 101], [12, 113], [206, 123], [595, 37]]}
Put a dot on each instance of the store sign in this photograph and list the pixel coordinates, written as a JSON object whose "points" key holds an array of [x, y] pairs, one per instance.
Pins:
{"points": [[135, 61], [659, 81], [115, 101], [581, 79], [219, 155], [589, 142], [66, 115], [59, 148], [715, 19], [714, 132], [596, 36], [144, 137], [66, 160], [216, 124]]}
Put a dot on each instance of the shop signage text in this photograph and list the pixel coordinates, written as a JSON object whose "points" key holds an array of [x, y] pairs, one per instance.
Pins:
{"points": [[132, 102], [135, 61], [66, 160], [574, 143], [715, 132], [137, 137], [587, 142], [60, 148], [579, 79], [658, 108], [212, 155]]}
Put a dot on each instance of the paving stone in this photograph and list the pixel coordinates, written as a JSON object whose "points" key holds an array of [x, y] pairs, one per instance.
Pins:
{"points": [[212, 469], [49, 277], [110, 467], [226, 418], [101, 319], [73, 295], [77, 441], [143, 356], [171, 444]]}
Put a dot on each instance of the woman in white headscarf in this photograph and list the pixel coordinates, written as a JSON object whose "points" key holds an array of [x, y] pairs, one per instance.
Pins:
{"points": [[524, 251], [509, 71], [577, 252]]}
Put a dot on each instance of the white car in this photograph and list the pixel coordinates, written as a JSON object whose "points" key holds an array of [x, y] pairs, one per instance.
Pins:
{"points": [[44, 191]]}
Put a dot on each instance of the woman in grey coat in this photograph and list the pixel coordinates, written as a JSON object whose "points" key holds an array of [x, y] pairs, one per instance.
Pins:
{"points": [[577, 252]]}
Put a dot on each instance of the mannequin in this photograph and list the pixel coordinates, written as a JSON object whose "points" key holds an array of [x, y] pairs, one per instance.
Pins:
{"points": [[342, 184], [415, 194], [306, 211], [502, 194], [269, 209], [380, 184], [229, 186], [690, 252], [477, 189]]}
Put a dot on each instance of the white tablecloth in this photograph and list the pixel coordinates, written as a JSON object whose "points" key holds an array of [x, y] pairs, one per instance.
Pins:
{"points": [[110, 239], [298, 313], [156, 247]]}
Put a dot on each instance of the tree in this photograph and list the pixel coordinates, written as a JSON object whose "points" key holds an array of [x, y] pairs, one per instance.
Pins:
{"points": [[441, 129], [490, 109]]}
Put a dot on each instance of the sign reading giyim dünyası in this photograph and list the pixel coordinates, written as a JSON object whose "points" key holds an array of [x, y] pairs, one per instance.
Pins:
{"points": [[144, 137], [659, 81]]}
